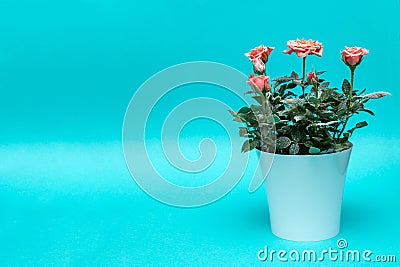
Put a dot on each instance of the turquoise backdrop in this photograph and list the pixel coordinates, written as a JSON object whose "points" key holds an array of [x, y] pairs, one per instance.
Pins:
{"points": [[68, 70]]}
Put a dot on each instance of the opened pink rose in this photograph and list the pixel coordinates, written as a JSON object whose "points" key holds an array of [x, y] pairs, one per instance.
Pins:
{"points": [[261, 52], [303, 48], [261, 81], [352, 56]]}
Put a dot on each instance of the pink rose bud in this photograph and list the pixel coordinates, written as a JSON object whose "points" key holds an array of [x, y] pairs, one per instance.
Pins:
{"points": [[259, 66], [261, 82], [312, 78], [261, 52], [352, 56], [303, 48]]}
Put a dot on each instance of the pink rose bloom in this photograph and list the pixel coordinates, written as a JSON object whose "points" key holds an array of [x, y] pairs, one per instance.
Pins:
{"points": [[259, 66], [261, 52], [303, 48], [352, 56], [312, 78], [261, 82]]}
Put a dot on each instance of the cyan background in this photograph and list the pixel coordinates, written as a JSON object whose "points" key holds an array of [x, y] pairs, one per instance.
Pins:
{"points": [[67, 72]]}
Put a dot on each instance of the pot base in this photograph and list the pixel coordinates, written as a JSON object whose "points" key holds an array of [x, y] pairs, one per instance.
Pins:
{"points": [[305, 195], [304, 237]]}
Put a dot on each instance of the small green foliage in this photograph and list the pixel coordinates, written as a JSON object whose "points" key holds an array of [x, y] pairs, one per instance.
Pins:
{"points": [[296, 134], [249, 145], [294, 149], [242, 131], [283, 142], [361, 124], [244, 110], [375, 95], [314, 150], [346, 87]]}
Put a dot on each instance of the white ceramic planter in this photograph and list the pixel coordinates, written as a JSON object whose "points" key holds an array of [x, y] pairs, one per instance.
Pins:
{"points": [[305, 194]]}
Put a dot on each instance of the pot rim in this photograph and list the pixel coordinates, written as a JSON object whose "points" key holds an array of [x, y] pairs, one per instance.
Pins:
{"points": [[302, 156]]}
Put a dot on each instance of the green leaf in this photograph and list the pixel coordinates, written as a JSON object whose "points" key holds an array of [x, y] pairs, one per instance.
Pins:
{"points": [[295, 134], [309, 115], [376, 95], [330, 150], [361, 124], [325, 94], [325, 113], [253, 144], [323, 86], [313, 100], [276, 119], [291, 86], [299, 118], [363, 91], [358, 125], [308, 144], [318, 139], [293, 102], [294, 149], [282, 79], [367, 110], [314, 150], [341, 147], [282, 89], [283, 142], [342, 108], [294, 75], [249, 145], [298, 82], [248, 118], [346, 87], [244, 110], [341, 112], [246, 146], [242, 131], [342, 105], [326, 123]]}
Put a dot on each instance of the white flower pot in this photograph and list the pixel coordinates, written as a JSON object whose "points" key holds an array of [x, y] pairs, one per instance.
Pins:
{"points": [[305, 194]]}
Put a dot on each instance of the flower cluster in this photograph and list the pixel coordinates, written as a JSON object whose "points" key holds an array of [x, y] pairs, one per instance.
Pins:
{"points": [[287, 120]]}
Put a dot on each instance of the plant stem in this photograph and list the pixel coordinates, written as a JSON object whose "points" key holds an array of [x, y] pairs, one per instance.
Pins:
{"points": [[316, 104], [352, 69], [265, 74], [304, 76], [343, 128]]}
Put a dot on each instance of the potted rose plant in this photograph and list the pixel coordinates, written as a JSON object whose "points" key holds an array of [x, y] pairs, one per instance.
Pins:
{"points": [[305, 123]]}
